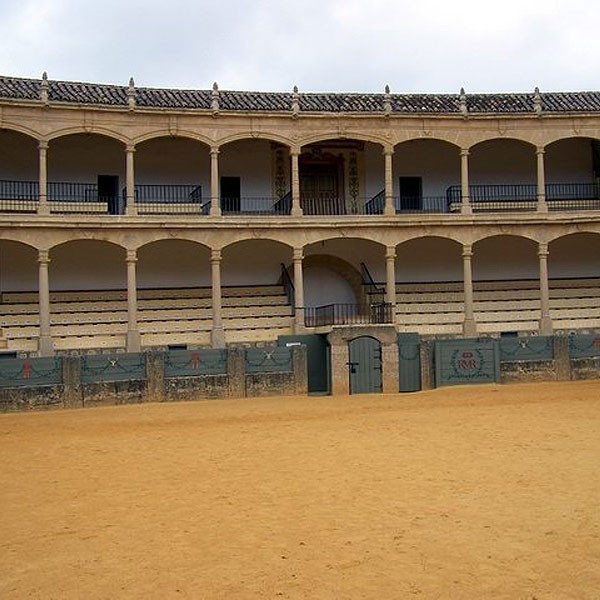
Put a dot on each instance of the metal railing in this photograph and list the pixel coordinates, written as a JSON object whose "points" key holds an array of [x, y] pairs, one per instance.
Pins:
{"points": [[325, 204], [19, 196], [376, 204], [256, 206], [82, 198], [374, 292], [421, 204], [573, 196], [348, 314], [288, 284], [169, 199]]}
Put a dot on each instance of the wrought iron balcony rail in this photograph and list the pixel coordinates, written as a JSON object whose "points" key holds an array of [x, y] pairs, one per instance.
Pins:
{"points": [[326, 204], [161, 199], [421, 204], [19, 196], [348, 314], [256, 206]]}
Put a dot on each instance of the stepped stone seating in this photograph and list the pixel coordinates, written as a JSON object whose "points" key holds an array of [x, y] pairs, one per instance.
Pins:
{"points": [[513, 305], [98, 318]]}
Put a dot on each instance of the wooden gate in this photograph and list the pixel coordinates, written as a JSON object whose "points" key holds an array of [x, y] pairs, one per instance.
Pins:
{"points": [[364, 365], [409, 362]]}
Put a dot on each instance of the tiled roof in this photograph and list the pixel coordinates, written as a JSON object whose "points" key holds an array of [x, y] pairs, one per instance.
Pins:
{"points": [[15, 88]]}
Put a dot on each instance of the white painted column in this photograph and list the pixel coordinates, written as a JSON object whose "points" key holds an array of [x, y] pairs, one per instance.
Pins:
{"points": [[390, 279], [134, 343], [465, 194], [46, 347], [131, 208], [217, 333], [295, 168], [43, 207], [542, 206], [546, 327], [469, 325], [215, 202], [388, 156], [298, 290]]}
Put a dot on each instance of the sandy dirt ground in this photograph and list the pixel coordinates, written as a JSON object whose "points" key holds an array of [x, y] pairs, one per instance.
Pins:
{"points": [[467, 492]]}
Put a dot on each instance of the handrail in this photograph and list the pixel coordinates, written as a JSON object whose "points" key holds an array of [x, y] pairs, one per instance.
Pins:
{"points": [[288, 284], [368, 281], [349, 314]]}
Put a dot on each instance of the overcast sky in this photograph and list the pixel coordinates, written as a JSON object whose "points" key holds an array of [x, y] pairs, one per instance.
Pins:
{"points": [[318, 45]]}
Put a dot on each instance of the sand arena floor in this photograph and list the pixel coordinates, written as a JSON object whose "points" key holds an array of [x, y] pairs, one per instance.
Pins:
{"points": [[475, 493]]}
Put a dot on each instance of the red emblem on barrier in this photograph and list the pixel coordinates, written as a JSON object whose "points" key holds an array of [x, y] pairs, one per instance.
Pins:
{"points": [[26, 370], [195, 360]]}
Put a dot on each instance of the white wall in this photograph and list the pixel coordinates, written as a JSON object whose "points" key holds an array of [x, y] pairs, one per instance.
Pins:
{"points": [[18, 156], [173, 263], [81, 158], [502, 161], [254, 262], [569, 161], [323, 286], [374, 170], [251, 161], [437, 162]]}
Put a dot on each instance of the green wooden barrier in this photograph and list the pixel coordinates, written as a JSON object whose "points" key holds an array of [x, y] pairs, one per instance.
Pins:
{"points": [[528, 348], [274, 359], [193, 363], [97, 368], [584, 345], [467, 361], [30, 372]]}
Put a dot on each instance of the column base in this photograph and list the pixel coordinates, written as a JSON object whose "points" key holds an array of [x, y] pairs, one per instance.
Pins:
{"points": [[466, 209], [46, 345], [134, 341], [469, 327], [217, 338], [296, 212], [215, 209], [389, 209], [542, 206], [299, 328], [130, 210], [43, 209], [546, 326]]}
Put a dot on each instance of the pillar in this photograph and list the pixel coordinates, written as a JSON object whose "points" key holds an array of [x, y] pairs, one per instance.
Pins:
{"points": [[298, 290], [130, 208], [217, 333], [45, 342], [389, 208], [469, 325], [215, 203], [134, 343], [546, 327], [542, 206], [464, 182], [296, 208], [390, 277], [43, 207]]}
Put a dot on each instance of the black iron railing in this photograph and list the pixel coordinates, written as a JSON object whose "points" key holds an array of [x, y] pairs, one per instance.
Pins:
{"points": [[376, 204], [19, 196], [81, 198], [325, 204], [288, 284], [168, 199], [374, 292], [256, 205], [348, 314], [421, 204]]}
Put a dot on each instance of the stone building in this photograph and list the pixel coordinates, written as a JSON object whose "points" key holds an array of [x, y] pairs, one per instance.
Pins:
{"points": [[137, 218]]}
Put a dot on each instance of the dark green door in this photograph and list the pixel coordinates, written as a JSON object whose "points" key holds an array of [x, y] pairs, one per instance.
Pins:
{"points": [[364, 365], [409, 362]]}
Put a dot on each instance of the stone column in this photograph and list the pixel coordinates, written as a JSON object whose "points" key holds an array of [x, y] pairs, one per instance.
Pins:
{"points": [[130, 209], [465, 194], [389, 208], [43, 207], [295, 168], [390, 276], [217, 333], [298, 291], [546, 327], [215, 202], [469, 325], [542, 206], [45, 347], [134, 343]]}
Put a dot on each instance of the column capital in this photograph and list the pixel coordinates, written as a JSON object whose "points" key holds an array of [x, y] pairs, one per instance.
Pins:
{"points": [[465, 152], [298, 254], [540, 150], [388, 151], [215, 255], [131, 256], [295, 151], [130, 148], [467, 250], [543, 249], [214, 150], [43, 257], [390, 252], [43, 145]]}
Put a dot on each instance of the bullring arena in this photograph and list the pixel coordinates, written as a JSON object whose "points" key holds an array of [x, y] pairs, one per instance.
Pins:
{"points": [[460, 492], [334, 257]]}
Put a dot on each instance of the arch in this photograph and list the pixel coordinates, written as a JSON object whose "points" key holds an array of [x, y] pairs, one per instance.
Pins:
{"points": [[433, 138], [30, 133], [487, 236], [505, 257], [84, 240], [498, 137], [317, 237], [574, 255], [340, 267], [88, 130], [347, 136], [570, 136], [429, 259], [166, 133], [18, 266], [169, 238], [254, 135], [273, 240], [417, 237]]}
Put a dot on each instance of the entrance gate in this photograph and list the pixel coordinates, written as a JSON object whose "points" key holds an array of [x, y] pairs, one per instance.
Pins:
{"points": [[409, 362], [365, 365]]}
